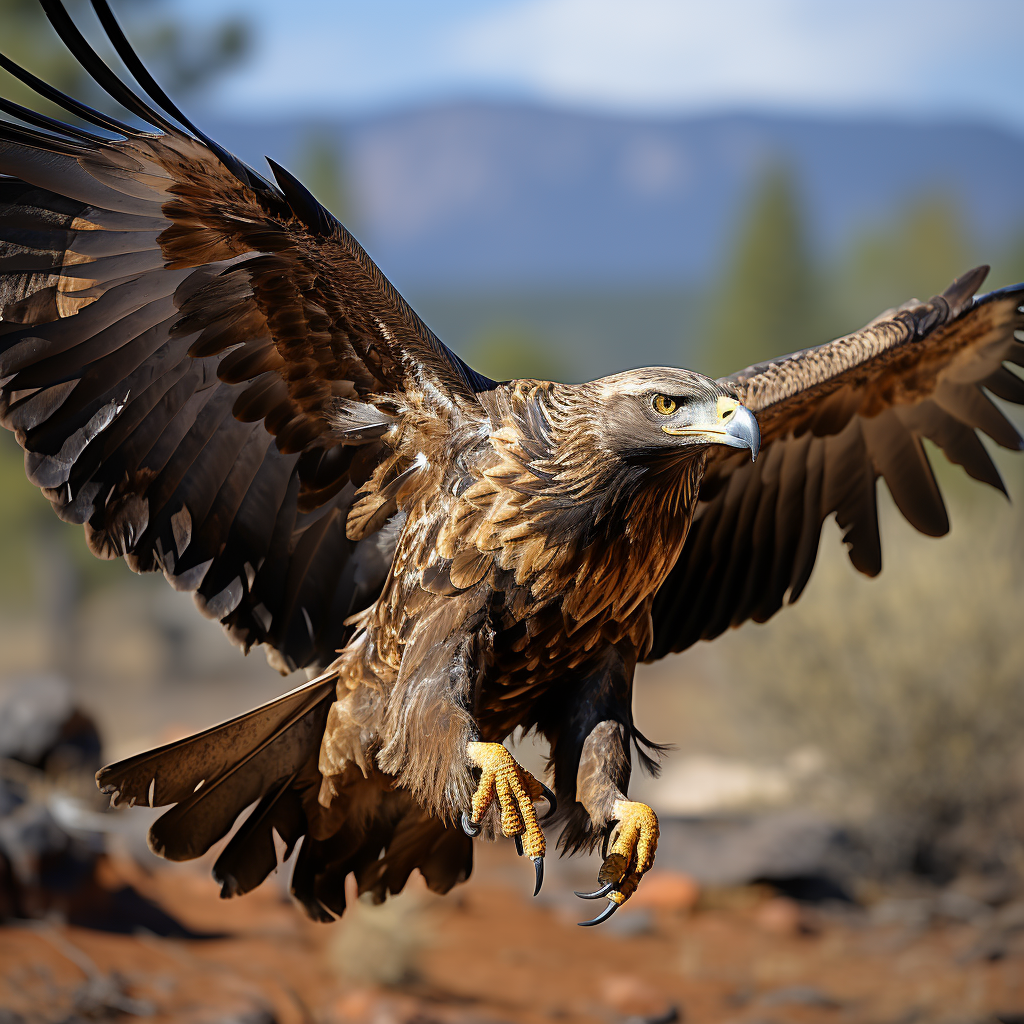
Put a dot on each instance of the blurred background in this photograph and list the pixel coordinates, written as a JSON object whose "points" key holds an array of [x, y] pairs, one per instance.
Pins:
{"points": [[564, 189]]}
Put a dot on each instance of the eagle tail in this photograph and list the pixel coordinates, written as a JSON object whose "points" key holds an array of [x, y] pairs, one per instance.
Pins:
{"points": [[264, 755], [384, 836], [268, 757]]}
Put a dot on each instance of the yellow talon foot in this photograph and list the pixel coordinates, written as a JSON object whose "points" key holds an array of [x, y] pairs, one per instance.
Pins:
{"points": [[630, 857], [515, 789]]}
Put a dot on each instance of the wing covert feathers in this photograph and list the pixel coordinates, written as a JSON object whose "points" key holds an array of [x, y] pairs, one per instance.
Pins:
{"points": [[833, 420]]}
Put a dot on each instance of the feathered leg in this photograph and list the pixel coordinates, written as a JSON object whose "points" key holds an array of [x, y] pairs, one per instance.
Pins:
{"points": [[636, 834], [591, 756]]}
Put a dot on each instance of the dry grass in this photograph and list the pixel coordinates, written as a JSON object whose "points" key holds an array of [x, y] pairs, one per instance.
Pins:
{"points": [[912, 686]]}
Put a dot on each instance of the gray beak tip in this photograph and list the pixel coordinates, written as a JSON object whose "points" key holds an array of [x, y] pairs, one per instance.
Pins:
{"points": [[743, 432]]}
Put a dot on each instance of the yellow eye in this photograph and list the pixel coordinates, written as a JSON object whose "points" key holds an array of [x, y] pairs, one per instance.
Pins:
{"points": [[664, 405]]}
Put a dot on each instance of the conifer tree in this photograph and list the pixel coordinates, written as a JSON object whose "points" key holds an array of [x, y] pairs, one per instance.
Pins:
{"points": [[765, 303], [182, 57]]}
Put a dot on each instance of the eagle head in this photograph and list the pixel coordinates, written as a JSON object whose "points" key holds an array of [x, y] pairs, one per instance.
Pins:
{"points": [[660, 411]]}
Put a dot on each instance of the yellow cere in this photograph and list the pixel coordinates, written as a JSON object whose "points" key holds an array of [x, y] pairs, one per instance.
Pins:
{"points": [[726, 407]]}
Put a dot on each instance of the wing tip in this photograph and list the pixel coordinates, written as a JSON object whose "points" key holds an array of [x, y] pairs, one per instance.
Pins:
{"points": [[960, 294]]}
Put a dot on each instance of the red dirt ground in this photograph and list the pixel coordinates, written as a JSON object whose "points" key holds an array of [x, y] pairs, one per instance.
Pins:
{"points": [[489, 953]]}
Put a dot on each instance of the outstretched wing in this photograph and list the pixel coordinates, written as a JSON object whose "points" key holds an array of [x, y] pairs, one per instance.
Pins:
{"points": [[833, 419], [174, 330]]}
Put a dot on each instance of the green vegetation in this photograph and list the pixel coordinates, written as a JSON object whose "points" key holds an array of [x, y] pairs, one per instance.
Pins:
{"points": [[1009, 267], [22, 513], [509, 351], [321, 168], [774, 299], [581, 332], [910, 686], [913, 255], [766, 303]]}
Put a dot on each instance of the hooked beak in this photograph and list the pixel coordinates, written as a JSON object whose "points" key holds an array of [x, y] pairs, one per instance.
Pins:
{"points": [[734, 425], [741, 431]]}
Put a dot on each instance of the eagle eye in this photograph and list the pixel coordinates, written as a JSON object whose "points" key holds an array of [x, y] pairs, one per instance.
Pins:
{"points": [[664, 405]]}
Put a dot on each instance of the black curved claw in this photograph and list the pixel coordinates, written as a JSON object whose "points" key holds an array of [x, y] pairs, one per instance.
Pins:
{"points": [[604, 844], [519, 844], [468, 827], [603, 891], [603, 916], [552, 803], [538, 867]]}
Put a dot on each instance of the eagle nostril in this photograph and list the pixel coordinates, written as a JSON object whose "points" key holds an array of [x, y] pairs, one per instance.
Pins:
{"points": [[725, 408]]}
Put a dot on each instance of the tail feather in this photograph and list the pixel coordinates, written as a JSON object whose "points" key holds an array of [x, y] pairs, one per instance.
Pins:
{"points": [[268, 757], [419, 841], [381, 853], [213, 776], [318, 883], [449, 861], [251, 855]]}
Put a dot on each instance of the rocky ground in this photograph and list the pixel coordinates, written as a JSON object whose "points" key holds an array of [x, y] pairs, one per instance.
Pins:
{"points": [[488, 952], [96, 929]]}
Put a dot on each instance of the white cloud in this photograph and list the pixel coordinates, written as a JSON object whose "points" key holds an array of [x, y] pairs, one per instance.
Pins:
{"points": [[931, 57], [809, 54]]}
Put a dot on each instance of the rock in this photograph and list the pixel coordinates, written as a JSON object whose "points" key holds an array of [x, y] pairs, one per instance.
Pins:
{"points": [[630, 923], [632, 996], [1011, 917], [779, 916], [800, 995], [41, 727], [771, 847], [667, 890], [910, 912]]}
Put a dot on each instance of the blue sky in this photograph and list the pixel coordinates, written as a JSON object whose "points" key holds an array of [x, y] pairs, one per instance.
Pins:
{"points": [[935, 59]]}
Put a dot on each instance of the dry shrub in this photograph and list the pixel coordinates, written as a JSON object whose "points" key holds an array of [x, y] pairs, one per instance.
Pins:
{"points": [[379, 944], [911, 685]]}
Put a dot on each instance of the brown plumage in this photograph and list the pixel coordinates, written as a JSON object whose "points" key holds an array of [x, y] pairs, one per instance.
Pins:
{"points": [[209, 374]]}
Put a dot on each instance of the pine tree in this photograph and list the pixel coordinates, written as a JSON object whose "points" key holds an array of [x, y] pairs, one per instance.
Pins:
{"points": [[765, 303], [321, 168], [509, 351], [183, 58]]}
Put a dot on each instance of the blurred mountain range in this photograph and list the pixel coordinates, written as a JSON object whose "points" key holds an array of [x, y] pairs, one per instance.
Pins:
{"points": [[511, 197], [563, 235]]}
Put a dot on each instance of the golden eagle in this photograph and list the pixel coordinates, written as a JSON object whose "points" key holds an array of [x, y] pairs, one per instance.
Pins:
{"points": [[209, 374]]}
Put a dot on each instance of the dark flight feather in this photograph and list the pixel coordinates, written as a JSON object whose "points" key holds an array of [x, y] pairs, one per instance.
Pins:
{"points": [[213, 776], [169, 298], [850, 411], [250, 855]]}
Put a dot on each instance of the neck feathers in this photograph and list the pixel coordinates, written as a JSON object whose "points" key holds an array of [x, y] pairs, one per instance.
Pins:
{"points": [[617, 528]]}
